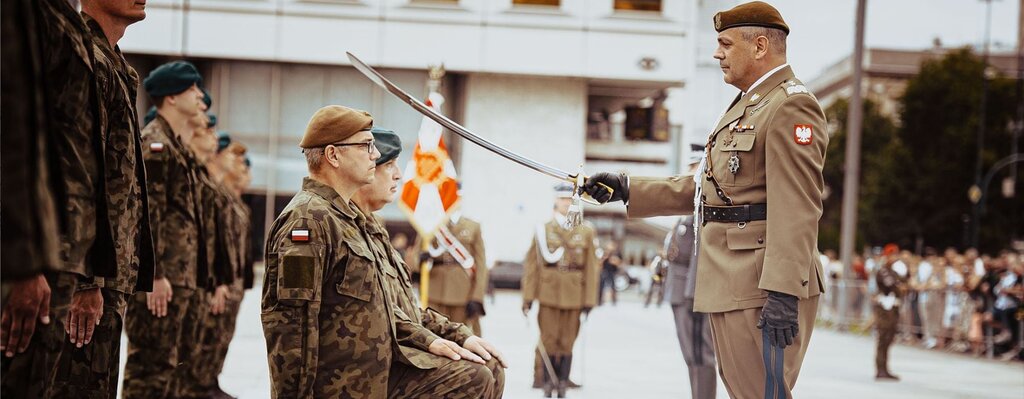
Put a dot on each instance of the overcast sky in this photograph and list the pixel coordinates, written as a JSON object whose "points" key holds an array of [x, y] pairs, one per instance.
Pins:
{"points": [[821, 31]]}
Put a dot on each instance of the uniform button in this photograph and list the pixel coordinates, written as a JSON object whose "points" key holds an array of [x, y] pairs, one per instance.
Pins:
{"points": [[760, 240], [803, 283]]}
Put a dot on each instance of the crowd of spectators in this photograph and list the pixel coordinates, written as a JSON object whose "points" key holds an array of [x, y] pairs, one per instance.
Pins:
{"points": [[953, 301]]}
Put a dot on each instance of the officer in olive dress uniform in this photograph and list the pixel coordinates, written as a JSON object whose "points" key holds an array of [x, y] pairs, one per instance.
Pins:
{"points": [[887, 312], [457, 289], [561, 272], [758, 197]]}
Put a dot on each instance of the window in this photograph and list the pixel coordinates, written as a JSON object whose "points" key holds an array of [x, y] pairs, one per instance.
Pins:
{"points": [[554, 3], [638, 5]]}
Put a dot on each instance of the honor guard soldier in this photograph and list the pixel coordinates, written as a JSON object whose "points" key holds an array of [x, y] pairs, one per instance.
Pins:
{"points": [[458, 277], [758, 198], [692, 328], [561, 272], [887, 311], [444, 376], [156, 322]]}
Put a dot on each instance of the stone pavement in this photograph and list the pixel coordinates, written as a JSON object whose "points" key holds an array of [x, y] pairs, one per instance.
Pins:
{"points": [[627, 351]]}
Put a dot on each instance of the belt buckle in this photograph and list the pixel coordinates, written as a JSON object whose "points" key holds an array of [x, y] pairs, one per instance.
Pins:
{"points": [[741, 225]]}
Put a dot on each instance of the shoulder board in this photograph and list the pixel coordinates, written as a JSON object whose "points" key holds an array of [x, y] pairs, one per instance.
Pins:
{"points": [[794, 87]]}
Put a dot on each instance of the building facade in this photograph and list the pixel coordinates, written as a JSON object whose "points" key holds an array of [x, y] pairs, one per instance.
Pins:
{"points": [[608, 84]]}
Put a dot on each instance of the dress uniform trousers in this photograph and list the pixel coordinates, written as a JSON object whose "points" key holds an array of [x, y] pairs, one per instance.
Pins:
{"points": [[558, 329], [694, 332], [750, 367], [885, 322]]}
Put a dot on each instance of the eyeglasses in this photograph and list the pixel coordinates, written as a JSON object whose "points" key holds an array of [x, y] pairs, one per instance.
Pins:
{"points": [[369, 145]]}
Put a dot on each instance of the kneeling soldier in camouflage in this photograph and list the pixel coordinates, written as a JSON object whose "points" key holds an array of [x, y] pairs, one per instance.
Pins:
{"points": [[445, 374], [331, 328]]}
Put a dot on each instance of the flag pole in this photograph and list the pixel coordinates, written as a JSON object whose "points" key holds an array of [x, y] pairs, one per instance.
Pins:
{"points": [[425, 267]]}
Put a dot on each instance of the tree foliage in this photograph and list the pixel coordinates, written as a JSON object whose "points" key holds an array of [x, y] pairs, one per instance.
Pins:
{"points": [[915, 175]]}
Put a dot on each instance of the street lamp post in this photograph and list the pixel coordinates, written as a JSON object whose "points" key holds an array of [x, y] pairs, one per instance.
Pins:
{"points": [[976, 209]]}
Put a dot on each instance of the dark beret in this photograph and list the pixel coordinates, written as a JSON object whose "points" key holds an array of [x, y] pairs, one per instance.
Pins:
{"points": [[150, 115], [207, 99], [755, 13], [388, 143], [223, 141], [212, 119], [172, 78], [248, 162], [334, 123]]}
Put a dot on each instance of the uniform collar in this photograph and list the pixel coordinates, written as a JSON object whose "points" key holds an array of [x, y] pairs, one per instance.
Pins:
{"points": [[328, 193], [765, 77], [756, 94]]}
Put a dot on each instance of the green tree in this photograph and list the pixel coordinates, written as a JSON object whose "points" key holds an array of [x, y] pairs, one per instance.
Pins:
{"points": [[915, 176], [941, 113], [879, 141]]}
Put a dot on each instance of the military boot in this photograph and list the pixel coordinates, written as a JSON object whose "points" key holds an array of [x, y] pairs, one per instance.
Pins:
{"points": [[564, 367], [550, 381]]}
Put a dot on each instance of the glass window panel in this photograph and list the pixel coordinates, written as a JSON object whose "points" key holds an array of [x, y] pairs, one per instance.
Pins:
{"points": [[638, 5], [302, 93], [248, 98], [554, 3]]}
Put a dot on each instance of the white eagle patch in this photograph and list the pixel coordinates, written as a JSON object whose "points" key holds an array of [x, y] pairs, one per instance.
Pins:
{"points": [[803, 134]]}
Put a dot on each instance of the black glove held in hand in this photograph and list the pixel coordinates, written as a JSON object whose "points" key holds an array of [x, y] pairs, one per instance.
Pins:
{"points": [[617, 182], [474, 309], [779, 319]]}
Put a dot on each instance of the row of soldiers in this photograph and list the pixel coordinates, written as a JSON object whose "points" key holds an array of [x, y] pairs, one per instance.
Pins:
{"points": [[109, 226]]}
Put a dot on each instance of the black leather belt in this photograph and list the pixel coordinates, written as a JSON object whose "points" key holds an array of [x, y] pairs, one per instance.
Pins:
{"points": [[735, 214]]}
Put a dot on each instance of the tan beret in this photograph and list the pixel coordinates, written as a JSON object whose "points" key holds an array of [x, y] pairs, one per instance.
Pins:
{"points": [[334, 123], [755, 13], [237, 148]]}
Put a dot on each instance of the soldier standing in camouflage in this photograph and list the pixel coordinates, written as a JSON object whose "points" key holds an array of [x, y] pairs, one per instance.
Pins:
{"points": [[330, 327], [455, 290], [561, 271], [29, 242], [444, 376], [88, 365], [155, 322], [225, 166]]}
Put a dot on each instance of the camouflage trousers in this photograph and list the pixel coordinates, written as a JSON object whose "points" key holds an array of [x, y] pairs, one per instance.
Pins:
{"points": [[215, 336], [451, 380], [30, 374], [189, 345], [92, 370], [457, 313], [153, 344]]}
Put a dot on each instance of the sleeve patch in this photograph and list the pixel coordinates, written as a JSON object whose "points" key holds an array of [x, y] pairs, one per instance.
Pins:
{"points": [[156, 147], [803, 134], [299, 235], [297, 272]]}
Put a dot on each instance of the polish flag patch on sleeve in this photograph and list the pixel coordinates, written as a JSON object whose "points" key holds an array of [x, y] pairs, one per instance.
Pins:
{"points": [[156, 147], [803, 134], [300, 235]]}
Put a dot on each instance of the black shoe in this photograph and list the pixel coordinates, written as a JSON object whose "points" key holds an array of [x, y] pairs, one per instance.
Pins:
{"points": [[886, 376]]}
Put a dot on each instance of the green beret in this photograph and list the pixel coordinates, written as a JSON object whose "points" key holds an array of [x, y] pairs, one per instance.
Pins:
{"points": [[388, 143], [207, 99], [756, 13], [150, 115], [223, 141], [172, 78], [212, 119], [334, 123]]}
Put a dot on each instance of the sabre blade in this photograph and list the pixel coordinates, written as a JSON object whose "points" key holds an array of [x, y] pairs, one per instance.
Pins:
{"points": [[383, 82]]}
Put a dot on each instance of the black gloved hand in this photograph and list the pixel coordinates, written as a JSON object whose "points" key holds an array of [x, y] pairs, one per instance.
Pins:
{"points": [[424, 256], [474, 309], [779, 319], [617, 182], [586, 310], [526, 307]]}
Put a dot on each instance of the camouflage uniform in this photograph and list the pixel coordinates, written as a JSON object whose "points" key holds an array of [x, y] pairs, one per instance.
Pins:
{"points": [[50, 38], [222, 234], [399, 287], [92, 371], [331, 330], [564, 287], [153, 342], [453, 287]]}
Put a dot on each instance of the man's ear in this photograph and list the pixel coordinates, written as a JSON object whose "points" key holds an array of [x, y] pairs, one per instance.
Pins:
{"points": [[332, 156], [760, 47]]}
